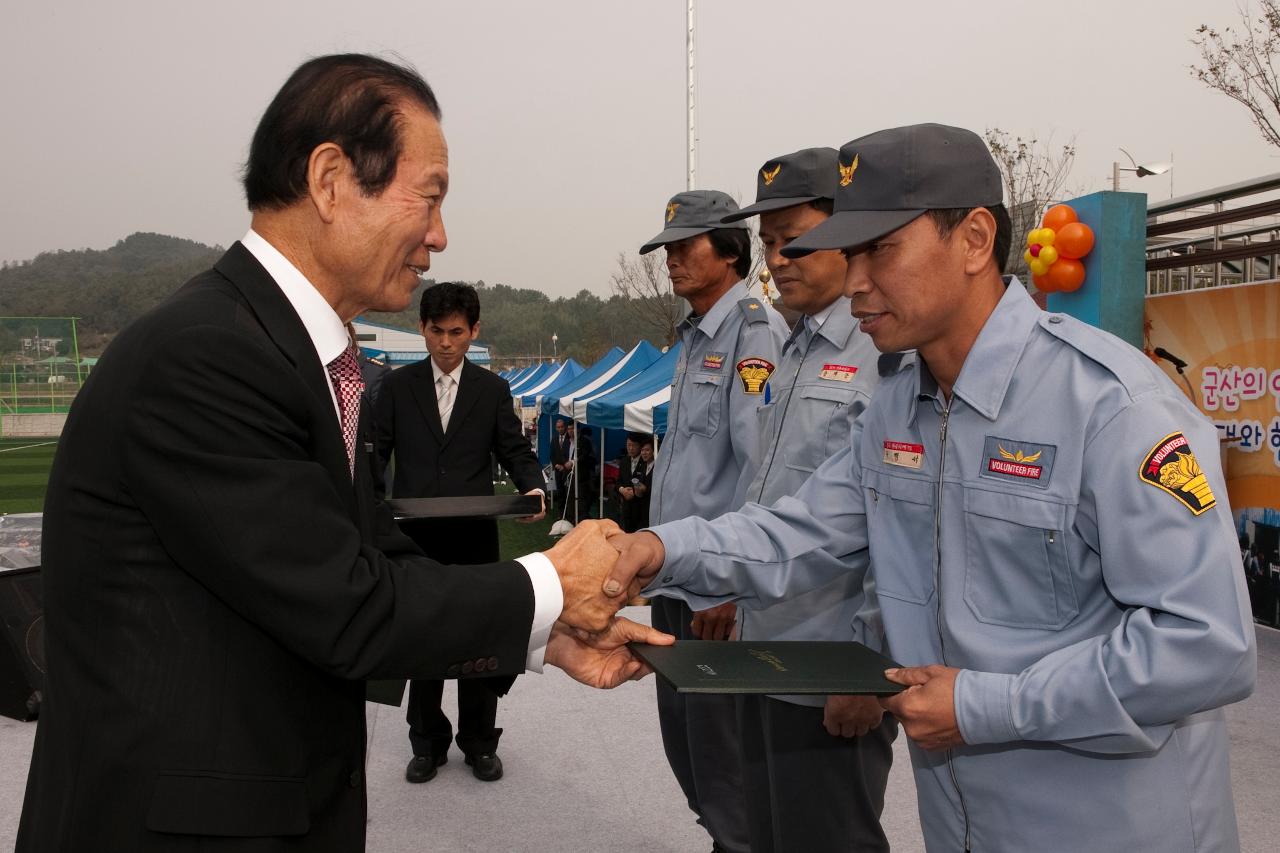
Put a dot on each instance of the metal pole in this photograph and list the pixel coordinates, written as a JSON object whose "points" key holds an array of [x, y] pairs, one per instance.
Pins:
{"points": [[600, 461], [1217, 244], [692, 153], [1115, 175]]}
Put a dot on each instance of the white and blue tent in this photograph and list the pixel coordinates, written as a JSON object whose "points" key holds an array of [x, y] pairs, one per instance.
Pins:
{"points": [[573, 404], [518, 374], [539, 373], [639, 404], [530, 394]]}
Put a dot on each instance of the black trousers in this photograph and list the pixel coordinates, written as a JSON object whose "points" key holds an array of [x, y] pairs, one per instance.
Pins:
{"points": [[429, 729], [807, 790], [700, 737]]}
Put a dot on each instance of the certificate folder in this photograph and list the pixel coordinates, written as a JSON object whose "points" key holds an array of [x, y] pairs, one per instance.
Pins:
{"points": [[474, 506], [800, 666]]}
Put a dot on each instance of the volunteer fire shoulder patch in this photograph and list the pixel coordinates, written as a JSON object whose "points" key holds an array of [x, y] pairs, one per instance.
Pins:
{"points": [[1172, 467], [754, 372]]}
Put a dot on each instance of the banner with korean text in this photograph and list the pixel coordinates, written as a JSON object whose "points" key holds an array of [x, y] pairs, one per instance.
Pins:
{"points": [[1229, 338]]}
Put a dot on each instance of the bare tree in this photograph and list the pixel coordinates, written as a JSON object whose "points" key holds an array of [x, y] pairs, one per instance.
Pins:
{"points": [[641, 281], [1033, 174], [1241, 65]]}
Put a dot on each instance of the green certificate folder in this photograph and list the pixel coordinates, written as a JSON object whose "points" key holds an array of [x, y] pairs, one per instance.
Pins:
{"points": [[801, 666]]}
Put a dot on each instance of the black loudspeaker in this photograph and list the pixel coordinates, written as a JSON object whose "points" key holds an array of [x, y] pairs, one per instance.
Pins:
{"points": [[21, 643]]}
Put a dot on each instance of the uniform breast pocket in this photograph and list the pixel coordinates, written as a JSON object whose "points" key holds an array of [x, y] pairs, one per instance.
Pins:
{"points": [[700, 407], [900, 523], [823, 413], [1017, 572]]}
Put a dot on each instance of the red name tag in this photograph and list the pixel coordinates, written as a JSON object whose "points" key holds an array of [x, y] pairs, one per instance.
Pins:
{"points": [[903, 454], [838, 372]]}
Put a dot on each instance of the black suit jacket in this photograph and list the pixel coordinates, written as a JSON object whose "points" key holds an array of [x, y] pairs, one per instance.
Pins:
{"points": [[431, 462], [216, 590]]}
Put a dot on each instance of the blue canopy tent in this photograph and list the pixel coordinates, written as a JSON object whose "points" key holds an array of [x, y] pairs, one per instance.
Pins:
{"points": [[640, 404], [573, 404], [538, 373], [518, 374], [568, 372], [549, 401]]}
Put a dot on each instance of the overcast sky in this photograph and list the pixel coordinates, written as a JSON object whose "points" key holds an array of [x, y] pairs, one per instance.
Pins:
{"points": [[566, 120]]}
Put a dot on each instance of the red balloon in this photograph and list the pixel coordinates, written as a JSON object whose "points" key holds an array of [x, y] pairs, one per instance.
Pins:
{"points": [[1042, 283], [1075, 240], [1066, 274], [1058, 216]]}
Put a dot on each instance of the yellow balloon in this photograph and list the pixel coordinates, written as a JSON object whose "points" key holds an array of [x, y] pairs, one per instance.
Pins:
{"points": [[1038, 267], [1048, 255], [1047, 236], [1028, 257], [1031, 237]]}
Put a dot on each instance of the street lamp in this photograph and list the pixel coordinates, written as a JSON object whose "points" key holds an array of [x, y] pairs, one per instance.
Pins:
{"points": [[1141, 171], [554, 338]]}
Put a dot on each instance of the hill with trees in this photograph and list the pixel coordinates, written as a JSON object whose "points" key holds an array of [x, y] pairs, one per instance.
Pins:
{"points": [[107, 289]]}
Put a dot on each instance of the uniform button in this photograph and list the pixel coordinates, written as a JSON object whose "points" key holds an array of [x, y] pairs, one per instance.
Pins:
{"points": [[668, 579], [466, 667], [493, 663], [354, 779], [1055, 319], [452, 671]]}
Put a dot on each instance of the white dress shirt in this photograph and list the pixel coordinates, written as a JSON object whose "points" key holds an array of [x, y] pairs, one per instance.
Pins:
{"points": [[329, 336]]}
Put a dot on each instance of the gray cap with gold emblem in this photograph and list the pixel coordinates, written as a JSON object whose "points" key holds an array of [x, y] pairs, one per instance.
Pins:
{"points": [[691, 213], [797, 178]]}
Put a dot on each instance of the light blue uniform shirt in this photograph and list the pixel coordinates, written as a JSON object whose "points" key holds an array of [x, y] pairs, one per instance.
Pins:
{"points": [[1048, 534], [712, 427], [828, 372]]}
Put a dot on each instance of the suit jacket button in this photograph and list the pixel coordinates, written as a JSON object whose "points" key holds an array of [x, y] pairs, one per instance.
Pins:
{"points": [[481, 664], [452, 671], [354, 779], [466, 668], [493, 663]]}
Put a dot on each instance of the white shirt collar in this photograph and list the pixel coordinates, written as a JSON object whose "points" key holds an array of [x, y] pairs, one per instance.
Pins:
{"points": [[327, 331], [455, 374], [816, 320]]}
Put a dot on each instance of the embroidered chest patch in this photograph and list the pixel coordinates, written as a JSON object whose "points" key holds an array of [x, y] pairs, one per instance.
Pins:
{"points": [[754, 372], [1172, 466], [838, 372], [713, 361], [1023, 462], [903, 454]]}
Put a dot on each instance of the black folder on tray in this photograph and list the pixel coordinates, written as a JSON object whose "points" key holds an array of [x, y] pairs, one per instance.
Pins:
{"points": [[475, 506], [391, 692], [779, 667]]}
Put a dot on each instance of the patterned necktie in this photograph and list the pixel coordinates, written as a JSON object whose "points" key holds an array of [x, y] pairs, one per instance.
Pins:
{"points": [[444, 399], [344, 373]]}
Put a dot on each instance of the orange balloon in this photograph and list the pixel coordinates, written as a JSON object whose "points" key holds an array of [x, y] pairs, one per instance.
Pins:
{"points": [[1042, 283], [1066, 274], [1074, 240], [1058, 216]]}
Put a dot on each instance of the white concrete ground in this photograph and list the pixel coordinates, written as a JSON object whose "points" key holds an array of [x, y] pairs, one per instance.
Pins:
{"points": [[586, 773]]}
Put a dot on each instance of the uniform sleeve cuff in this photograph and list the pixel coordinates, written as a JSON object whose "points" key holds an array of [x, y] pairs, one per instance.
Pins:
{"points": [[548, 601], [984, 707], [679, 543]]}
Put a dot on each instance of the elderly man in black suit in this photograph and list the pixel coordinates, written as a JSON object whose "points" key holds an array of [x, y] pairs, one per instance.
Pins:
{"points": [[442, 420], [219, 579]]}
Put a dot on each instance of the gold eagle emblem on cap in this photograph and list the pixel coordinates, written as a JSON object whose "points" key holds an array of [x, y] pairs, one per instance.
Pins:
{"points": [[1019, 457], [770, 175], [671, 210], [846, 172]]}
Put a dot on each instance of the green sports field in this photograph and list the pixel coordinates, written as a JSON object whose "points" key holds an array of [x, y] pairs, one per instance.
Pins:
{"points": [[24, 473]]}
